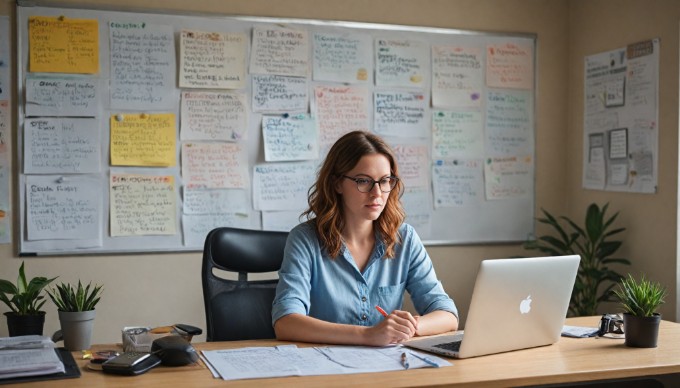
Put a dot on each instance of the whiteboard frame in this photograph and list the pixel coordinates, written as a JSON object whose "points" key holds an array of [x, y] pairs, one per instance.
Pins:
{"points": [[167, 244]]}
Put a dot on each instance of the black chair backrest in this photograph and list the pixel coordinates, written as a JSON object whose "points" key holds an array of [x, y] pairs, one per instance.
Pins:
{"points": [[240, 309]]}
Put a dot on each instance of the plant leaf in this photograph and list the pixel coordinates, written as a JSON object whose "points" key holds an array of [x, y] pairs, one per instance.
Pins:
{"points": [[21, 280], [597, 274], [6, 287], [594, 225], [607, 248], [76, 298]]}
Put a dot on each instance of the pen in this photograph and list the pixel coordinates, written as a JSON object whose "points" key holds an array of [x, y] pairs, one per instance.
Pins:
{"points": [[426, 360], [404, 360], [381, 311]]}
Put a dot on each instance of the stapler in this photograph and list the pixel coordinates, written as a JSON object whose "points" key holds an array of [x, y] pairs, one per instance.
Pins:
{"points": [[186, 331]]}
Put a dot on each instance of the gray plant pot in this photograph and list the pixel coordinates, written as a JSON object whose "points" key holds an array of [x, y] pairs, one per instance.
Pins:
{"points": [[76, 329]]}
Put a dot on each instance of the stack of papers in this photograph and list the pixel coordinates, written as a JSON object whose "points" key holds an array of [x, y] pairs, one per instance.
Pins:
{"points": [[289, 360], [29, 355]]}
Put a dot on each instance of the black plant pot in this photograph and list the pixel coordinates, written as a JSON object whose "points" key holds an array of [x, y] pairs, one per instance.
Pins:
{"points": [[641, 332], [25, 324]]}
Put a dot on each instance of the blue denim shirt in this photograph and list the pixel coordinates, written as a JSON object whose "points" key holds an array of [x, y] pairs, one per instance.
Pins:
{"points": [[334, 290]]}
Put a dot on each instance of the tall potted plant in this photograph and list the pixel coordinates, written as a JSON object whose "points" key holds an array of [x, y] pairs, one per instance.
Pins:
{"points": [[76, 308], [592, 241], [640, 300], [25, 299]]}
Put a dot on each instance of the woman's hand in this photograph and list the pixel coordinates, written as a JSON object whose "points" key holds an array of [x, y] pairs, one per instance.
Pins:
{"points": [[397, 327]]}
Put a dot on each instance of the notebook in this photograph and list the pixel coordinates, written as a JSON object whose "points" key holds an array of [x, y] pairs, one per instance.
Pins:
{"points": [[516, 304], [71, 370]]}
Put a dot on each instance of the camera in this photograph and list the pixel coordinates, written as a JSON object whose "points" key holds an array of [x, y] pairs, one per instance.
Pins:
{"points": [[610, 324]]}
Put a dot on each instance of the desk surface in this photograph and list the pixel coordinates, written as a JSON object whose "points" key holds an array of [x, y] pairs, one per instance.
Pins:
{"points": [[569, 360]]}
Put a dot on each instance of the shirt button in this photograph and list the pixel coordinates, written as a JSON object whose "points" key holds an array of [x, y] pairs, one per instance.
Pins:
{"points": [[363, 317], [363, 298]]}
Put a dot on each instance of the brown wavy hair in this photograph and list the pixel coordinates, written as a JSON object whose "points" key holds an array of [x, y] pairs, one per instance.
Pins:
{"points": [[325, 205]]}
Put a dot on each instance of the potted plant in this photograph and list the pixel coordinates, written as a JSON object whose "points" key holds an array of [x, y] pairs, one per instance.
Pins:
{"points": [[25, 299], [593, 243], [640, 300], [76, 308]]}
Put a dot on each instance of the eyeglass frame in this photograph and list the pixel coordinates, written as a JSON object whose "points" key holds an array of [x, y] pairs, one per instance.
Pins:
{"points": [[356, 180]]}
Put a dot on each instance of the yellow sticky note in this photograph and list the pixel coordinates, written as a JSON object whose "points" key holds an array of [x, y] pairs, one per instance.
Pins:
{"points": [[63, 45], [143, 140]]}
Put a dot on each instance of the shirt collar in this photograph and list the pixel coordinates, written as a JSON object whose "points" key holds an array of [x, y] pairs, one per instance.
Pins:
{"points": [[377, 254]]}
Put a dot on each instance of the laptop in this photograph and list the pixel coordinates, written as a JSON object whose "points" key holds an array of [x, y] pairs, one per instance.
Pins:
{"points": [[516, 304]]}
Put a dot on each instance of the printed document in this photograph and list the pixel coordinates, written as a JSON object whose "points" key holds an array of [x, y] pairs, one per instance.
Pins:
{"points": [[289, 360], [28, 356]]}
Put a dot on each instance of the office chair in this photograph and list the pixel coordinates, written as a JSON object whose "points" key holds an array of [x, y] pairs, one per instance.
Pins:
{"points": [[240, 309]]}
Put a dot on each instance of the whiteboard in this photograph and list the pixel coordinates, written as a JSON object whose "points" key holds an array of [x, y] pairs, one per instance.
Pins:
{"points": [[483, 194]]}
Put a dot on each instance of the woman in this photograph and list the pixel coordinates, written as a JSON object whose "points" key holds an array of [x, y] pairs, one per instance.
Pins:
{"points": [[355, 253]]}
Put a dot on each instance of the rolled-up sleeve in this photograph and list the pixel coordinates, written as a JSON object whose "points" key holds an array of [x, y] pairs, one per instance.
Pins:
{"points": [[293, 289], [427, 292]]}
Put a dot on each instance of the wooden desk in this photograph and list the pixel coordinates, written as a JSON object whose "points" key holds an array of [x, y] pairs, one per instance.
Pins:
{"points": [[569, 360]]}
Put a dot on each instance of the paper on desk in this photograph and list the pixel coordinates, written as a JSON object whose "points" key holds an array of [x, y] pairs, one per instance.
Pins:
{"points": [[26, 342], [30, 355], [264, 362], [361, 358], [212, 370]]}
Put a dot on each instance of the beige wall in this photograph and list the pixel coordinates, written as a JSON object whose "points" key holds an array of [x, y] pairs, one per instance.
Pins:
{"points": [[651, 220], [160, 289]]}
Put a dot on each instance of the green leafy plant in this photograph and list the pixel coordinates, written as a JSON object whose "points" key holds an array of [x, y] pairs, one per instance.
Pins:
{"points": [[641, 298], [24, 298], [595, 279], [70, 298]]}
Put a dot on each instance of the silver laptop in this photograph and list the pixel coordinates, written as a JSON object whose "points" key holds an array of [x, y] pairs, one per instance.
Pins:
{"points": [[516, 304]]}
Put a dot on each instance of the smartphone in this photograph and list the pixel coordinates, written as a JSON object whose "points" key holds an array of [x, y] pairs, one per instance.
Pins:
{"points": [[131, 363]]}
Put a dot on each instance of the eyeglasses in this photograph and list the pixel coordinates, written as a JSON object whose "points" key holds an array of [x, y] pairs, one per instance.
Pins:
{"points": [[365, 185]]}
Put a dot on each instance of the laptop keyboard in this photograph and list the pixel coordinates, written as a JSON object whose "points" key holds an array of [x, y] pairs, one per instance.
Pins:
{"points": [[451, 346]]}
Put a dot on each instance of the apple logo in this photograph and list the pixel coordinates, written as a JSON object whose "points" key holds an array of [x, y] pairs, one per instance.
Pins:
{"points": [[525, 305]]}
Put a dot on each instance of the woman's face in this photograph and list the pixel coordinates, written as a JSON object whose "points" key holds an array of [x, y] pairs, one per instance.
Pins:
{"points": [[368, 206]]}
